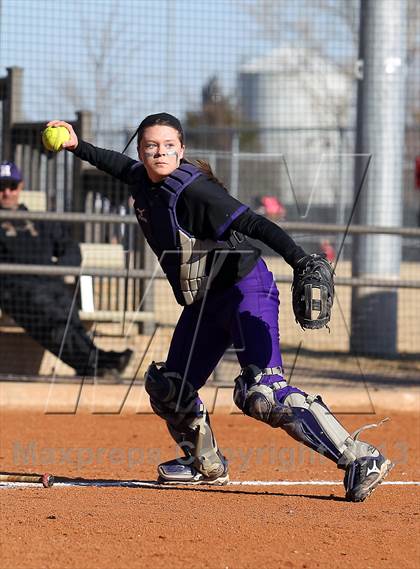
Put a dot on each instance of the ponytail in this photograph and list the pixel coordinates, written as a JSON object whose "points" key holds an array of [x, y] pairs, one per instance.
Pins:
{"points": [[207, 171]]}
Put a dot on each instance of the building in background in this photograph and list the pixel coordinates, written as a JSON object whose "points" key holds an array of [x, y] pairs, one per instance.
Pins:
{"points": [[302, 103]]}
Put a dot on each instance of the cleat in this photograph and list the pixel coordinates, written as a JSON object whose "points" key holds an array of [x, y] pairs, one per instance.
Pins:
{"points": [[364, 475], [175, 473]]}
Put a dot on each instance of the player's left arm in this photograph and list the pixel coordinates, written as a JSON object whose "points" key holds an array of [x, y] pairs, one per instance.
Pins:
{"points": [[313, 276], [258, 227], [214, 213]]}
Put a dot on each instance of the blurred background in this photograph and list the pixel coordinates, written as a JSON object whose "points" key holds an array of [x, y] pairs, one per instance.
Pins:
{"points": [[308, 110]]}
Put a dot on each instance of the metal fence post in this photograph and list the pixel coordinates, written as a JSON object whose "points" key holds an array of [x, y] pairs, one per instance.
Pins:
{"points": [[11, 95], [83, 128], [380, 133], [234, 174]]}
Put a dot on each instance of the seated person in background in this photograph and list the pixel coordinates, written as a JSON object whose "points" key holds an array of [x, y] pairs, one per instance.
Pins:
{"points": [[42, 304]]}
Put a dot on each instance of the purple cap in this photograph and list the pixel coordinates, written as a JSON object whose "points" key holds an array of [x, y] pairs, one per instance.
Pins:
{"points": [[9, 171]]}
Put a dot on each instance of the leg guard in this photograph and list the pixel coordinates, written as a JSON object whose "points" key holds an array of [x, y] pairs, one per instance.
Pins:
{"points": [[305, 417], [187, 420]]}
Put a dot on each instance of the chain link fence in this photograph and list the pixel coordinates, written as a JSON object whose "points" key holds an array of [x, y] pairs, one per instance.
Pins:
{"points": [[309, 113]]}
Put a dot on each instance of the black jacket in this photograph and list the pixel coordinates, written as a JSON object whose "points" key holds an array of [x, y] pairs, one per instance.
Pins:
{"points": [[37, 243]]}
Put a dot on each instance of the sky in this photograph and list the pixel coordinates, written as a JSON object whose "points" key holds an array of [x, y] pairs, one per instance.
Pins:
{"points": [[161, 52], [158, 53]]}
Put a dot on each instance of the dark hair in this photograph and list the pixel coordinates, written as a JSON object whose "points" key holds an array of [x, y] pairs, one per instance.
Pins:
{"points": [[164, 119], [207, 171]]}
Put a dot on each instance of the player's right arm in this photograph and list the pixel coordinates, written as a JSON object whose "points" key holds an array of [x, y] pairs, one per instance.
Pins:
{"points": [[114, 163]]}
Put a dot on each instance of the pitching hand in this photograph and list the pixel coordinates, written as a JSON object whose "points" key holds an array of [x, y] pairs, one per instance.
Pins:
{"points": [[73, 141]]}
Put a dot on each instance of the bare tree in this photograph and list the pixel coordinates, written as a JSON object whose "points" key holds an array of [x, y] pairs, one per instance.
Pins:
{"points": [[101, 89], [218, 111]]}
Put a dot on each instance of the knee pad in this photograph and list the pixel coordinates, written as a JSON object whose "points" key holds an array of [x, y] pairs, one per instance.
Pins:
{"points": [[304, 417], [170, 397], [257, 399]]}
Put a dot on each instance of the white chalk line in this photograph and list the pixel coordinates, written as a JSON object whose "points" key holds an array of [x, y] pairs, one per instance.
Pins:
{"points": [[314, 483], [144, 484]]}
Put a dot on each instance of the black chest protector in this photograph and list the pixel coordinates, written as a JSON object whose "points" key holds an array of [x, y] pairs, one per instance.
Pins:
{"points": [[183, 258]]}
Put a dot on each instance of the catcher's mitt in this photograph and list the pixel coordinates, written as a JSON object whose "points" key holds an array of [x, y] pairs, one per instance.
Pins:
{"points": [[313, 291]]}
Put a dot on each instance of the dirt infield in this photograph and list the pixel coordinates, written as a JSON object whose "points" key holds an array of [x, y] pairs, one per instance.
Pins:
{"points": [[93, 519]]}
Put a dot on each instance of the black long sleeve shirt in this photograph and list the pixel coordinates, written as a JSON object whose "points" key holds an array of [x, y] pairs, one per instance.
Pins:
{"points": [[37, 242], [201, 205]]}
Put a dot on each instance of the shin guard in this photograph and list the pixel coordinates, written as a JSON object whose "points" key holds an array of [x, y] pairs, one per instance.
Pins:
{"points": [[187, 420], [305, 417]]}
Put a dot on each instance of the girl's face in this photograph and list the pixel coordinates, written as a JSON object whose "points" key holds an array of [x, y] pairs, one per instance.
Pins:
{"points": [[160, 150]]}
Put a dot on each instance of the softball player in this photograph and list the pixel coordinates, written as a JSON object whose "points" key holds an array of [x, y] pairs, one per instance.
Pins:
{"points": [[199, 234]]}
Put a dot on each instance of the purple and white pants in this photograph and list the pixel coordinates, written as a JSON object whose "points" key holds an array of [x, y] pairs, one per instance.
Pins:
{"points": [[245, 314]]}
